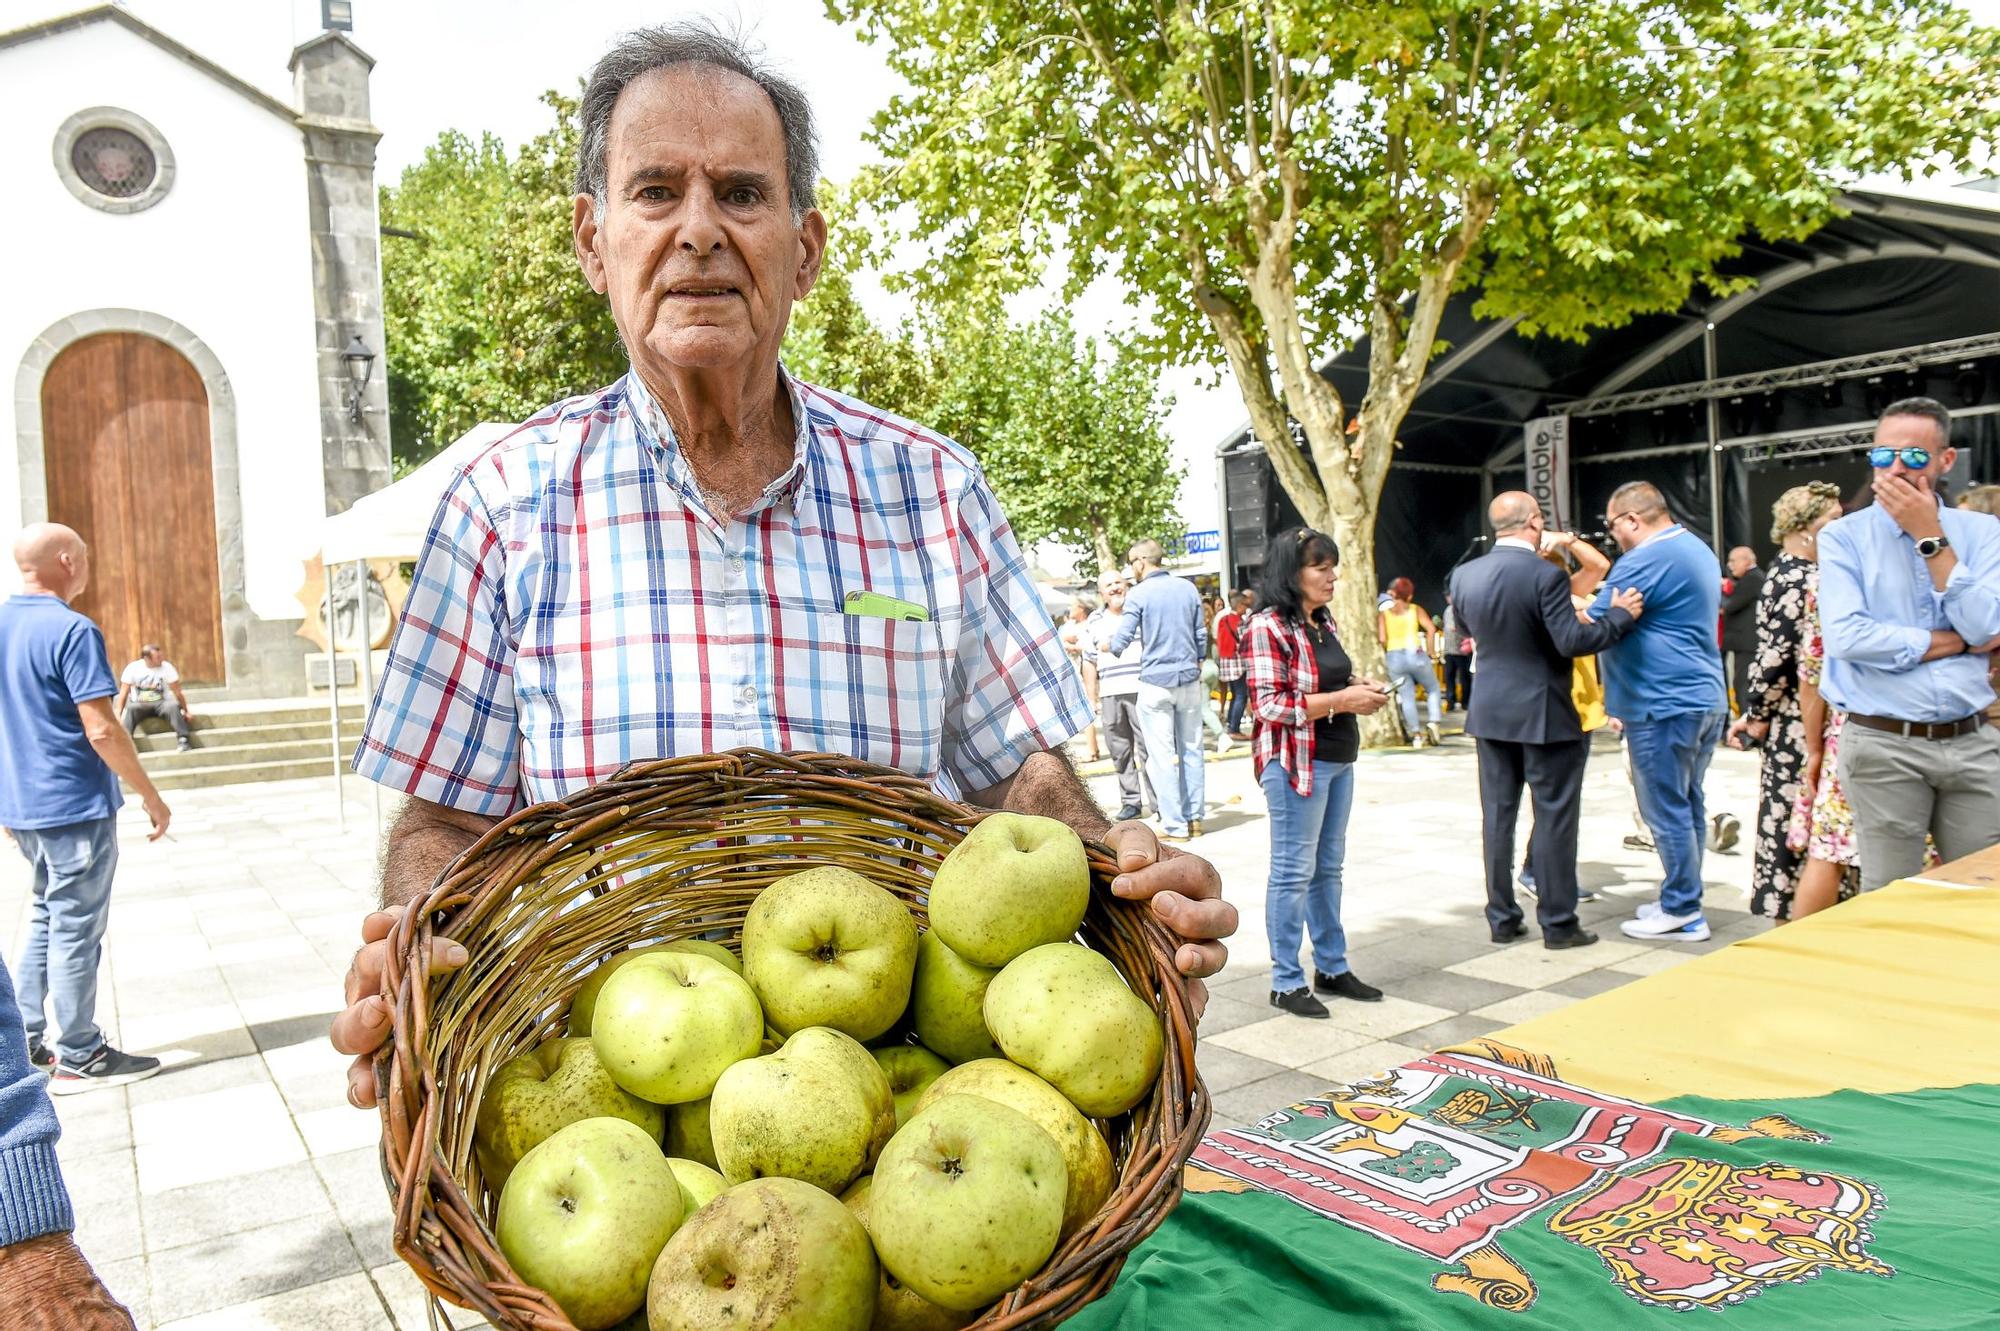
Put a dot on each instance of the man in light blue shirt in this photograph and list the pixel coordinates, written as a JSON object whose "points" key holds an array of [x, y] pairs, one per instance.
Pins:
{"points": [[1163, 611], [1663, 681], [1909, 605]]}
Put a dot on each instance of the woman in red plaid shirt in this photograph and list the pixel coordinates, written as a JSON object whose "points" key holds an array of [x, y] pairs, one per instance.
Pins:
{"points": [[1305, 695]]}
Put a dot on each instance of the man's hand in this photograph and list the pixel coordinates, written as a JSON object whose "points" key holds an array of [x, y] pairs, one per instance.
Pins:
{"points": [[1986, 648], [1629, 600], [159, 814], [1944, 642], [364, 1026], [46, 1285], [1911, 504], [1186, 895]]}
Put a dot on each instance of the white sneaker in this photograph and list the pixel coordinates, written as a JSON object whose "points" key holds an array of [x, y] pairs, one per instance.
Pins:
{"points": [[1648, 909], [1672, 928]]}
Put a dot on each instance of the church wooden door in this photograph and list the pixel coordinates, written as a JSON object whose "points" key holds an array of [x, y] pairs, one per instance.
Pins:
{"points": [[126, 446]]}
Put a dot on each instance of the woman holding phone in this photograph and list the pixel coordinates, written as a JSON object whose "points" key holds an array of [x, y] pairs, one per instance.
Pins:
{"points": [[1304, 696]]}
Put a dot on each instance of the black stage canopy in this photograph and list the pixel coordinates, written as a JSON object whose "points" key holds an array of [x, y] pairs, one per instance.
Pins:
{"points": [[1901, 296]]}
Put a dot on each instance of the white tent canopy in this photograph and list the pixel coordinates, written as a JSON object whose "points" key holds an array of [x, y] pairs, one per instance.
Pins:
{"points": [[392, 522]]}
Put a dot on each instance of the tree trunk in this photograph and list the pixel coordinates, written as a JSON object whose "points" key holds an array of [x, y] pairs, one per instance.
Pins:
{"points": [[1100, 539], [1353, 529]]}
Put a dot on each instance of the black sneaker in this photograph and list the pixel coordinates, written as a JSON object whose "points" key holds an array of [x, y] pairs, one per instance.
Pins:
{"points": [[1129, 813], [1299, 1002], [40, 1055], [1347, 985], [106, 1067]]}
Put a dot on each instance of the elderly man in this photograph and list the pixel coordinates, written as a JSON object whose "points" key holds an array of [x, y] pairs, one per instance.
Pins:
{"points": [[1739, 620], [1663, 680], [710, 553], [1163, 615], [61, 754], [1909, 604]]}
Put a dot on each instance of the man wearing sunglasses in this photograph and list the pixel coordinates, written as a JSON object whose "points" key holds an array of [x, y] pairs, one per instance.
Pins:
{"points": [[1909, 603]]}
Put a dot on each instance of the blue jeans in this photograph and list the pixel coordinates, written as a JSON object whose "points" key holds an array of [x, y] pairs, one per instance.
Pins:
{"points": [[73, 865], [1669, 760], [1308, 846], [1407, 669], [1172, 721]]}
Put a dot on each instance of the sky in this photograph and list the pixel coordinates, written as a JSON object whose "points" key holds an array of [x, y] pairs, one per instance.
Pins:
{"points": [[482, 65]]}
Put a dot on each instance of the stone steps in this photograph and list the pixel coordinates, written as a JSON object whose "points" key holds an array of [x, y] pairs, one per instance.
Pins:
{"points": [[246, 740]]}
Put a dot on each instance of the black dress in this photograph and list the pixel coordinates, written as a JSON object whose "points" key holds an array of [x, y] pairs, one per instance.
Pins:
{"points": [[1774, 698]]}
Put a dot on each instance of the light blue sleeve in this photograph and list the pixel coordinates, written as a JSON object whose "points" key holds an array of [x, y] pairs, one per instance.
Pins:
{"points": [[1971, 597], [1128, 623], [1850, 632]]}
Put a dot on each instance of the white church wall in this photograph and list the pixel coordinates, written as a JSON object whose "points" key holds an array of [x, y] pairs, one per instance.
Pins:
{"points": [[225, 253]]}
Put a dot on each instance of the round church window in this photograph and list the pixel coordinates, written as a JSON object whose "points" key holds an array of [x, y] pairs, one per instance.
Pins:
{"points": [[113, 160]]}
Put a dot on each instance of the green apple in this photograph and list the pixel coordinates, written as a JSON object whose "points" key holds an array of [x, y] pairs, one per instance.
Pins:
{"points": [[1064, 1013], [668, 1023], [820, 1109], [772, 1254], [700, 1185], [967, 1201], [584, 1216], [910, 1069], [897, 1306], [584, 1004], [1086, 1155], [555, 1084], [945, 1002], [1017, 881], [826, 947], [687, 1132]]}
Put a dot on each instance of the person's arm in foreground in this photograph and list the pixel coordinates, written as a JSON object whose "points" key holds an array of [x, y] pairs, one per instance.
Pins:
{"points": [[45, 1282], [1573, 635], [101, 727], [1592, 565]]}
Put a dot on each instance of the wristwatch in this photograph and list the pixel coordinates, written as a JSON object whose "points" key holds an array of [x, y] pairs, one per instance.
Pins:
{"points": [[1932, 546]]}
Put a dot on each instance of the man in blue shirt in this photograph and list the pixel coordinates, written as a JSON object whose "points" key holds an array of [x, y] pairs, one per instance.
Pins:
{"points": [[1163, 611], [1909, 605], [62, 750], [1663, 681]]}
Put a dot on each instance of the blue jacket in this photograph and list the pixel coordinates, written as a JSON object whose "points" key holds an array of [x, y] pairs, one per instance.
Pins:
{"points": [[1164, 613], [32, 1199]]}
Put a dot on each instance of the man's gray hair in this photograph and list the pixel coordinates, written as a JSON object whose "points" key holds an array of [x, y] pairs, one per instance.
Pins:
{"points": [[692, 42], [1929, 408], [1148, 550]]}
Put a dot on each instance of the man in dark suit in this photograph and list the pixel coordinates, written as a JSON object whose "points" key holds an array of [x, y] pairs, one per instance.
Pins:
{"points": [[1739, 620], [1517, 607]]}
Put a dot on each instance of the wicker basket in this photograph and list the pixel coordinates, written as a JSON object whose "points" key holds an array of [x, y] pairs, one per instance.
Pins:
{"points": [[671, 849]]}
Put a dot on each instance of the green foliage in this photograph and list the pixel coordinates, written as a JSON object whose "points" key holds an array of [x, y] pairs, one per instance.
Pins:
{"points": [[487, 314]]}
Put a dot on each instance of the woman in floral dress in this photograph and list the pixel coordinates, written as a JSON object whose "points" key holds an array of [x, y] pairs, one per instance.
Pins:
{"points": [[1822, 824], [1771, 713]]}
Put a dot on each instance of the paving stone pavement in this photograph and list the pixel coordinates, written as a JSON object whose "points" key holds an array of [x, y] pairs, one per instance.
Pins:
{"points": [[237, 1190]]}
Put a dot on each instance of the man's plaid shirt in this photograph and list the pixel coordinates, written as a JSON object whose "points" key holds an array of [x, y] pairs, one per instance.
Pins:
{"points": [[1282, 670], [577, 607]]}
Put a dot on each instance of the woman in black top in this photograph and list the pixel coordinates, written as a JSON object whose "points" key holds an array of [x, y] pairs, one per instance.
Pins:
{"points": [[1305, 697]]}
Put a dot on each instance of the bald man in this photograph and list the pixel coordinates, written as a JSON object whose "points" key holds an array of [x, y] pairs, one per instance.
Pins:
{"points": [[1739, 619], [1517, 608], [64, 751]]}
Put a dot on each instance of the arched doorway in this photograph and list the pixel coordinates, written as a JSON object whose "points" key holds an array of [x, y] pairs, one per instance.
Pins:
{"points": [[126, 448]]}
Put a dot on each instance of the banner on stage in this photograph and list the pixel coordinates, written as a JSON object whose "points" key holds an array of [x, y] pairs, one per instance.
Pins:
{"points": [[1548, 468]]}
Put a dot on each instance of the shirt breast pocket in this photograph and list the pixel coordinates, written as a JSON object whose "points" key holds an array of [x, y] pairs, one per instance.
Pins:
{"points": [[875, 689]]}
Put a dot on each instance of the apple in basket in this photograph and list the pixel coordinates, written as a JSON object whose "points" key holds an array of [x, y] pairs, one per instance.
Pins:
{"points": [[555, 1084], [945, 1002], [1016, 881], [897, 1306], [700, 1185], [687, 1133], [967, 1201], [826, 947], [1064, 1013], [1086, 1155], [668, 1023], [584, 1005], [820, 1109], [771, 1253], [910, 1069], [584, 1215]]}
